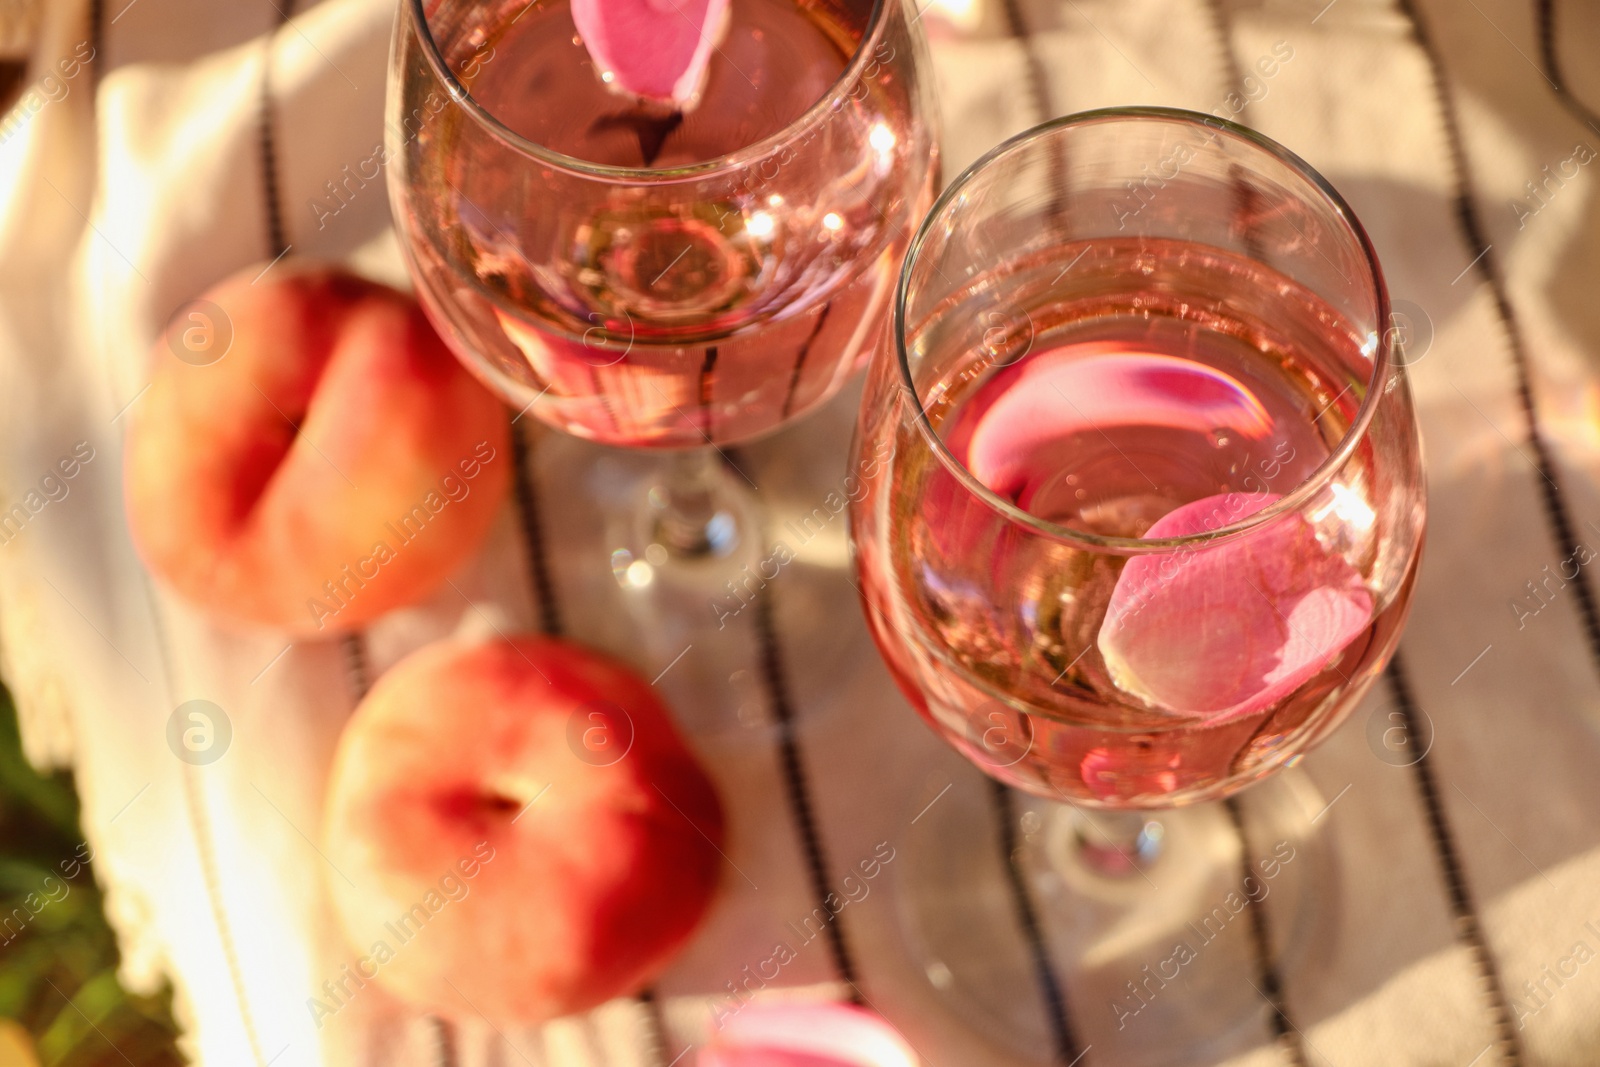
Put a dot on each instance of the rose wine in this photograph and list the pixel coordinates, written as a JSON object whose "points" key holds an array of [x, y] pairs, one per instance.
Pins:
{"points": [[1131, 390], [663, 307]]}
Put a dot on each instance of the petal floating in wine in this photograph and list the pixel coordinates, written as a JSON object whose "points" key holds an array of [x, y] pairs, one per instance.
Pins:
{"points": [[658, 49], [1019, 427], [806, 1035], [1227, 630]]}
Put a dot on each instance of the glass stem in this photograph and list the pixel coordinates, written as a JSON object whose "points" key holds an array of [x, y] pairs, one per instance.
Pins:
{"points": [[690, 519], [1116, 844]]}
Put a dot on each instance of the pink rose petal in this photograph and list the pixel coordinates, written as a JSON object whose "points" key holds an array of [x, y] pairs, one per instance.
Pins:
{"points": [[1027, 413], [657, 49], [806, 1035], [1228, 630]]}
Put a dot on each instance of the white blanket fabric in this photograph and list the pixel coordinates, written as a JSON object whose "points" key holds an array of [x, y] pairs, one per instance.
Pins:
{"points": [[135, 183]]}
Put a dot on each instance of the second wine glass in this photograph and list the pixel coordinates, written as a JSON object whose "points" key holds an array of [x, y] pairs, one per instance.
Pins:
{"points": [[1146, 528], [650, 277]]}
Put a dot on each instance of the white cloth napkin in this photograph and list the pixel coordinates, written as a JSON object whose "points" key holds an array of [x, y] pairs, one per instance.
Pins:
{"points": [[1460, 890]]}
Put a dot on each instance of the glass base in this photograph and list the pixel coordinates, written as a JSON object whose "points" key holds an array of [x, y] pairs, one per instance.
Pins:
{"points": [[1152, 944], [684, 543], [651, 607], [690, 521]]}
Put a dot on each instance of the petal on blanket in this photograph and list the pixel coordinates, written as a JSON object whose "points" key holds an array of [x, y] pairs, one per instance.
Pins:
{"points": [[806, 1035]]}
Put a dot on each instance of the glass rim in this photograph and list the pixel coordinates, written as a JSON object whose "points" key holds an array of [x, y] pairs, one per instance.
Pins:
{"points": [[739, 158], [1291, 501]]}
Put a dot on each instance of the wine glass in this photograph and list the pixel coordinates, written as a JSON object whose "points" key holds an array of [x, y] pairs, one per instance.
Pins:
{"points": [[1146, 506], [656, 277]]}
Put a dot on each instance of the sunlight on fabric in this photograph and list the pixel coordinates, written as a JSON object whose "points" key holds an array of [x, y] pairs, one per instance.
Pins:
{"points": [[961, 14]]}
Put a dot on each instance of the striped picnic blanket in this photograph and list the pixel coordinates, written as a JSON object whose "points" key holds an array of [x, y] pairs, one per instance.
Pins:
{"points": [[163, 144]]}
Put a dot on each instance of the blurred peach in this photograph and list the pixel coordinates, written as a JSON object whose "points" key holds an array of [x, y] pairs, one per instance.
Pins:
{"points": [[309, 454], [520, 831], [16, 1045]]}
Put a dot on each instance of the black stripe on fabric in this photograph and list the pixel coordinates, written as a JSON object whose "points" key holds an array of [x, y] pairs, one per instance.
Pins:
{"points": [[1268, 979], [354, 646], [657, 1023], [1245, 197], [800, 360], [444, 1042], [97, 39], [355, 653], [1050, 987], [797, 791], [707, 370], [13, 74], [1232, 73], [1468, 930], [1557, 513], [1552, 68], [1033, 66], [266, 134], [1062, 1037], [1039, 98], [528, 516]]}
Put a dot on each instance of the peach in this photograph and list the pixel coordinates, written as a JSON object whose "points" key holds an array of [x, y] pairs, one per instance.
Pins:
{"points": [[309, 454], [519, 832]]}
